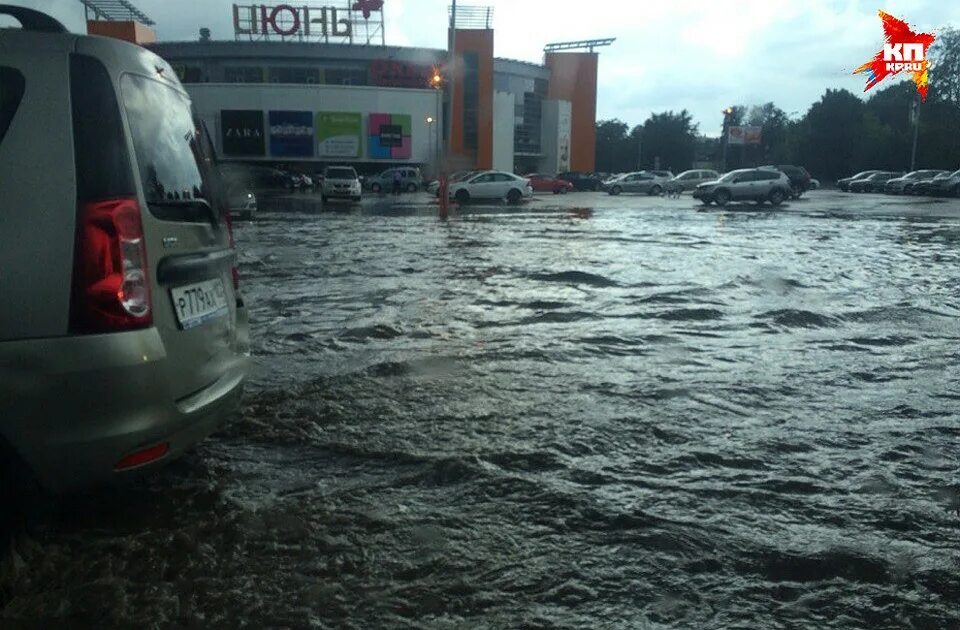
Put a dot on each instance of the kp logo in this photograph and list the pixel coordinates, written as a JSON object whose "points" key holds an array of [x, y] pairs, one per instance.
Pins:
{"points": [[903, 50]]}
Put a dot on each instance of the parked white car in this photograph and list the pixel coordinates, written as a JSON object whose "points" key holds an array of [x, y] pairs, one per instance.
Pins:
{"points": [[492, 185], [341, 182]]}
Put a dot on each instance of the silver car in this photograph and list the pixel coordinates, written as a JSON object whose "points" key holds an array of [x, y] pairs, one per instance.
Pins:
{"points": [[748, 184], [688, 180], [639, 182], [409, 177], [123, 336]]}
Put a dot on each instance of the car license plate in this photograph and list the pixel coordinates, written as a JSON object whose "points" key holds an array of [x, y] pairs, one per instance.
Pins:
{"points": [[199, 303]]}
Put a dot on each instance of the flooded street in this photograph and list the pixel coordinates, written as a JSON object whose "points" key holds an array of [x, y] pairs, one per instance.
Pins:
{"points": [[590, 412]]}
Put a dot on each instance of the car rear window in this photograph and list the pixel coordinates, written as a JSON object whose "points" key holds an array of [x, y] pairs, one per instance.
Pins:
{"points": [[12, 86], [170, 149], [100, 148], [340, 173]]}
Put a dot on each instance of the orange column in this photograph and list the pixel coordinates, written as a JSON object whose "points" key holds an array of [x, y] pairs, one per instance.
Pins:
{"points": [[134, 32], [479, 42], [573, 77]]}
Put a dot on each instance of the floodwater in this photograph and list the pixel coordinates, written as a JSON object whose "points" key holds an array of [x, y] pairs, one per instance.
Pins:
{"points": [[627, 414]]}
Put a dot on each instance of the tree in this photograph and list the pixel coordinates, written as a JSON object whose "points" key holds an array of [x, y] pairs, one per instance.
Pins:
{"points": [[773, 122], [668, 136], [945, 66], [830, 134], [613, 149]]}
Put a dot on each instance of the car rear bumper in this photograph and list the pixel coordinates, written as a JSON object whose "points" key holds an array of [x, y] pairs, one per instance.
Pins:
{"points": [[342, 194], [73, 407]]}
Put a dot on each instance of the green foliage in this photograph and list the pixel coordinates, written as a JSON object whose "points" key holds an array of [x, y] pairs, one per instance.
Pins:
{"points": [[668, 136], [945, 66], [840, 134], [615, 152]]}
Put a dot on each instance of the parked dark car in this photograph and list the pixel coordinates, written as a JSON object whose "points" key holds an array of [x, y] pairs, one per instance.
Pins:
{"points": [[582, 181], [798, 176], [900, 185], [260, 180], [909, 186], [928, 186], [844, 184], [949, 186], [874, 183]]}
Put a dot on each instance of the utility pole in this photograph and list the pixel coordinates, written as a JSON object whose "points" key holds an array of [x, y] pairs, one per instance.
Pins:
{"points": [[640, 149], [724, 137], [915, 115], [448, 119], [452, 75]]}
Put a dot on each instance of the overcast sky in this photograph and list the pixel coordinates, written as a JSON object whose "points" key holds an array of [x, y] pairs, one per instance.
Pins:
{"points": [[701, 55]]}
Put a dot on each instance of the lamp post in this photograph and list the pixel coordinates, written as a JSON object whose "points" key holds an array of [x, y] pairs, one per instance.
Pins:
{"points": [[452, 74], [727, 113], [915, 116], [436, 82], [431, 127], [640, 148]]}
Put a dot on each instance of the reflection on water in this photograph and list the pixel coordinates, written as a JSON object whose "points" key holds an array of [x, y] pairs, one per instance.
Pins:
{"points": [[563, 417]]}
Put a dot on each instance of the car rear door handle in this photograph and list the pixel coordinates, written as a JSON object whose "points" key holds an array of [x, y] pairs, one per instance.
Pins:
{"points": [[194, 267]]}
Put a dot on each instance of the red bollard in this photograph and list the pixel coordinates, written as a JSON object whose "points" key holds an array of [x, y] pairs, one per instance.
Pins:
{"points": [[444, 197]]}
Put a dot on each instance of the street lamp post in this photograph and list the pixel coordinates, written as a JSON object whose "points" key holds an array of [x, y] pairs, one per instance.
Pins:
{"points": [[727, 113], [436, 82], [640, 149], [433, 138], [915, 115]]}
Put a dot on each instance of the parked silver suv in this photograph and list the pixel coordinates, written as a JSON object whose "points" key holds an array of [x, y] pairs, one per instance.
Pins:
{"points": [[748, 184], [123, 337], [340, 182]]}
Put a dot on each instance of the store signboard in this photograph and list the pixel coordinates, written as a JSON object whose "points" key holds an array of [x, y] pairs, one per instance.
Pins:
{"points": [[291, 134], [339, 134], [564, 124], [389, 136], [241, 132]]}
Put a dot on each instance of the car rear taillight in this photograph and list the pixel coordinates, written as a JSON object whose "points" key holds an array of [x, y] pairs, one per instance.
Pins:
{"points": [[111, 284]]}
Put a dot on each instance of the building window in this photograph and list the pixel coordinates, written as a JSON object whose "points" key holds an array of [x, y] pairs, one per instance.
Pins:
{"points": [[529, 106], [471, 99], [294, 75], [345, 76], [188, 74], [243, 74]]}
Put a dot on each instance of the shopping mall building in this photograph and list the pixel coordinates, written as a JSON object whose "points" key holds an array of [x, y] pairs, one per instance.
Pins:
{"points": [[317, 84]]}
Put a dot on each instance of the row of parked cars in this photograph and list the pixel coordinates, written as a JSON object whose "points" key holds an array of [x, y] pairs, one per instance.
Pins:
{"points": [[936, 182]]}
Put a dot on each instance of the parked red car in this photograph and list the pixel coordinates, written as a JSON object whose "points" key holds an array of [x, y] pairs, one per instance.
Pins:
{"points": [[546, 183]]}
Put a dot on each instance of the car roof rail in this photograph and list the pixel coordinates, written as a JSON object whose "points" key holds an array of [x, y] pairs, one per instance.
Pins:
{"points": [[32, 20]]}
